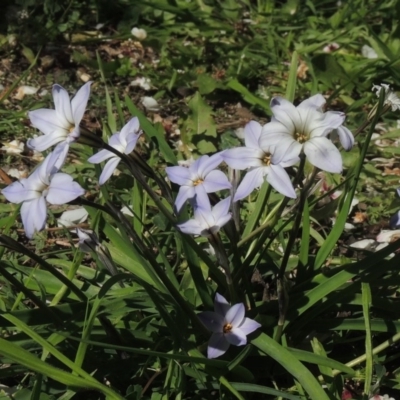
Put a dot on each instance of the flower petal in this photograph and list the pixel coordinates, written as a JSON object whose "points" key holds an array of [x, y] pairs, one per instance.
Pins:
{"points": [[252, 133], [322, 153], [215, 180], [217, 346], [191, 227], [221, 305], [236, 337], [102, 155], [45, 120], [58, 157], [132, 126], [185, 193], [248, 326], [280, 181], [79, 102], [179, 175], [205, 164], [235, 315], [253, 179], [42, 143], [62, 104], [212, 321], [346, 137], [20, 191], [108, 170], [286, 113], [322, 127], [63, 189], [221, 211], [316, 102], [33, 215], [243, 157]]}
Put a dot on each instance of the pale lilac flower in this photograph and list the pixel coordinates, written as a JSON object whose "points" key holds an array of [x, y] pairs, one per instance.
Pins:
{"points": [[88, 240], [124, 141], [378, 397], [228, 325], [305, 129], [391, 97], [264, 162], [60, 126], [199, 179], [45, 183], [207, 220]]}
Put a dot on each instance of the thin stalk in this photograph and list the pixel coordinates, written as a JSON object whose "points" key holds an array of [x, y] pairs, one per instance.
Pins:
{"points": [[220, 252]]}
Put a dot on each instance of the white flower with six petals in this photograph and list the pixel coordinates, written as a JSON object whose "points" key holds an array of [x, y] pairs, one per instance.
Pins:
{"points": [[228, 324], [304, 129], [265, 162], [60, 126], [45, 183]]}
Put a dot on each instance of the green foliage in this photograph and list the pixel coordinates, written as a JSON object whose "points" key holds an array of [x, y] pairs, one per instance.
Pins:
{"points": [[329, 314]]}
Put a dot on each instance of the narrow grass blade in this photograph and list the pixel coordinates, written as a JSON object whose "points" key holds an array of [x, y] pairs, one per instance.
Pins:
{"points": [[23, 357], [291, 363], [366, 300]]}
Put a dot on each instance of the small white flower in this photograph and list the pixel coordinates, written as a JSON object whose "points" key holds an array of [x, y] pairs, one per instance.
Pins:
{"points": [[368, 52], [207, 220], [305, 129], [124, 141], [59, 126], [263, 163], [391, 97], [45, 183], [139, 33], [228, 325]]}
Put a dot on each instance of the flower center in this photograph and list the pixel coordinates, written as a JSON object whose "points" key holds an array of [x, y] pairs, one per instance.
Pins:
{"points": [[198, 182], [227, 328], [71, 129], [300, 137], [266, 160]]}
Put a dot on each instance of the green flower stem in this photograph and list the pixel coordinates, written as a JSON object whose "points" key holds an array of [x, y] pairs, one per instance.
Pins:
{"points": [[216, 243], [71, 274]]}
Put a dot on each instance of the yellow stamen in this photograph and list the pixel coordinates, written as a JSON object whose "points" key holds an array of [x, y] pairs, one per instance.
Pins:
{"points": [[266, 160], [227, 328], [300, 137], [198, 182]]}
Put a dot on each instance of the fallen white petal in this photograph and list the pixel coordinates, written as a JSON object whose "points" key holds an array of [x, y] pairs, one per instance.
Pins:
{"points": [[139, 33], [72, 217], [150, 104], [23, 91], [387, 236], [363, 244], [13, 147]]}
